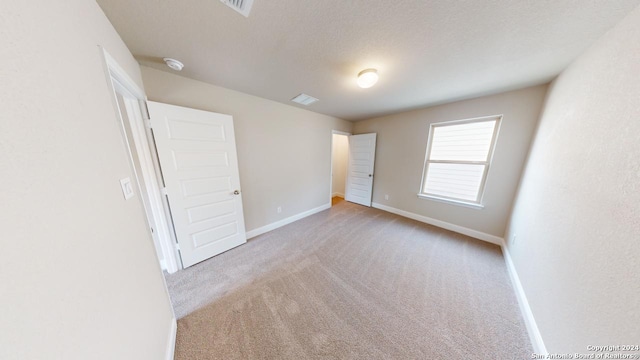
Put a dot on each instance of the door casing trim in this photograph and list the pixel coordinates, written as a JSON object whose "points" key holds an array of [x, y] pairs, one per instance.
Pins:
{"points": [[118, 77]]}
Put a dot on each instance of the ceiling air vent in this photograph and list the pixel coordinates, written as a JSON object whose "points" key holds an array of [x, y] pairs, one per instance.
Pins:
{"points": [[241, 6], [304, 99]]}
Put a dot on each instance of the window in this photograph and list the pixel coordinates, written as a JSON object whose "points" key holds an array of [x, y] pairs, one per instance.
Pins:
{"points": [[458, 159]]}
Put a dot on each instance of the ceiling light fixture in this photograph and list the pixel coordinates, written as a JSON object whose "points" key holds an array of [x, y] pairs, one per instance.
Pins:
{"points": [[367, 78], [174, 64]]}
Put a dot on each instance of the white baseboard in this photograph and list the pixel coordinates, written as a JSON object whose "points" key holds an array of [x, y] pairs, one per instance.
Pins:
{"points": [[264, 229], [529, 320], [171, 345], [337, 194], [442, 224]]}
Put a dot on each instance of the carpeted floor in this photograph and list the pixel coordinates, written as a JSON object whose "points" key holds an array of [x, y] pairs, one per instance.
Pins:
{"points": [[350, 283]]}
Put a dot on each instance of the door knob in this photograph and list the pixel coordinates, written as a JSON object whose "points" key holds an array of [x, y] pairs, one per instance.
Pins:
{"points": [[236, 192]]}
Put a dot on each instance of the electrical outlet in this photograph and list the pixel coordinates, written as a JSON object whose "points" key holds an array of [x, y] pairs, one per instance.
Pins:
{"points": [[386, 196], [279, 209]]}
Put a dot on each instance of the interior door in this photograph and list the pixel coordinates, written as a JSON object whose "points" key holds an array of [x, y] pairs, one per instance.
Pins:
{"points": [[197, 154], [362, 155]]}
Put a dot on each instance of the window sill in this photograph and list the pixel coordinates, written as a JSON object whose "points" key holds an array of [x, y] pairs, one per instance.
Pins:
{"points": [[452, 202]]}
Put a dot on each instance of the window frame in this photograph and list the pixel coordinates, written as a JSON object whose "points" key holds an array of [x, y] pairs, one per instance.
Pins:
{"points": [[477, 204]]}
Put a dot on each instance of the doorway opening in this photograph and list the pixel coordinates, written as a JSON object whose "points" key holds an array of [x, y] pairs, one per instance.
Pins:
{"points": [[339, 161], [185, 165]]}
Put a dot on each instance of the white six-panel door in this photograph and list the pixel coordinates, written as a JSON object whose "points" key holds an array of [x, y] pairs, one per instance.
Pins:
{"points": [[362, 155], [197, 154]]}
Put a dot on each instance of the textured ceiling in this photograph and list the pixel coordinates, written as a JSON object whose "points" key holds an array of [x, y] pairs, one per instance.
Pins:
{"points": [[426, 51]]}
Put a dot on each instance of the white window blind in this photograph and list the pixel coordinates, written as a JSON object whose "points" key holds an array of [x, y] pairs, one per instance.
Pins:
{"points": [[458, 158]]}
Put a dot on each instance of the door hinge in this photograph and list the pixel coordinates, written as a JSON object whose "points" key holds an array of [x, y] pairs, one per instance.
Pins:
{"points": [[147, 123], [146, 110], [177, 246], [163, 191]]}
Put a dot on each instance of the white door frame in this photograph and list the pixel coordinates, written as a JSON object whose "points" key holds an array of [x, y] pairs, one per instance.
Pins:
{"points": [[118, 78], [334, 132]]}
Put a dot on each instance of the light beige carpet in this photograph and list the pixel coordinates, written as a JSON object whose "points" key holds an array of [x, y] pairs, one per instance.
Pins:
{"points": [[350, 283]]}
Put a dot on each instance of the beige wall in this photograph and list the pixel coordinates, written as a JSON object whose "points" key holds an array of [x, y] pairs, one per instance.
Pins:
{"points": [[577, 215], [284, 152], [339, 163], [401, 147], [79, 278]]}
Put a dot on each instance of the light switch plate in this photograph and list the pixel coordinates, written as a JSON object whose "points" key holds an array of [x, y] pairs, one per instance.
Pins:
{"points": [[127, 188]]}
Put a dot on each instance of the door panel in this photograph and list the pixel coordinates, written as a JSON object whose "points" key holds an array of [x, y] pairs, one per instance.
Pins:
{"points": [[197, 154], [362, 154]]}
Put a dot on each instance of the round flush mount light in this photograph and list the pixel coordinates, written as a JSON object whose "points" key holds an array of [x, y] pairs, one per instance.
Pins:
{"points": [[174, 64], [367, 78]]}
